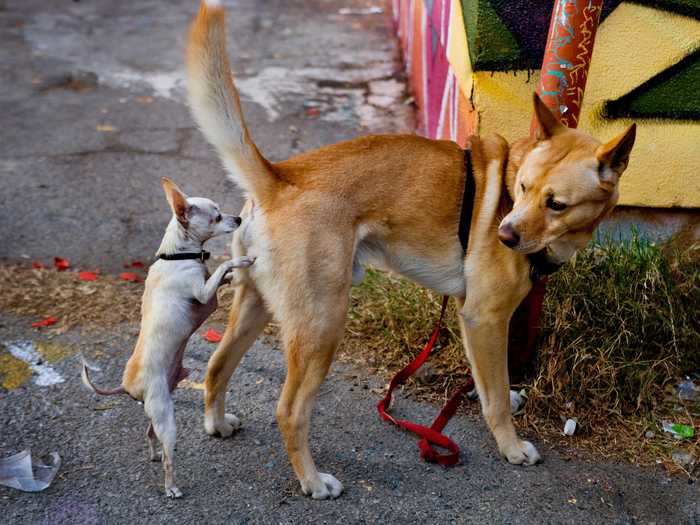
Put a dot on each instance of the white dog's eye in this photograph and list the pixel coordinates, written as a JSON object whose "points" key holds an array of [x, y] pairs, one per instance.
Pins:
{"points": [[218, 218]]}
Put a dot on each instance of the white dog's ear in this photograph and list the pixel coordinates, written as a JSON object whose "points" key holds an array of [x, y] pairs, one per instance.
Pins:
{"points": [[176, 199], [547, 123]]}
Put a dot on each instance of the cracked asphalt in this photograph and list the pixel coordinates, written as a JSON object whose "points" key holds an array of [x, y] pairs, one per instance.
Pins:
{"points": [[93, 112], [93, 115]]}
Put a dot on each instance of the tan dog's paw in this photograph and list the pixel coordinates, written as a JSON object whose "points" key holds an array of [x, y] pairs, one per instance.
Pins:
{"points": [[222, 428], [521, 453], [326, 487], [173, 492]]}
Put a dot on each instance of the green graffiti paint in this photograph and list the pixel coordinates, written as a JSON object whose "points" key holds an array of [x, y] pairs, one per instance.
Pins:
{"points": [[491, 46], [671, 94]]}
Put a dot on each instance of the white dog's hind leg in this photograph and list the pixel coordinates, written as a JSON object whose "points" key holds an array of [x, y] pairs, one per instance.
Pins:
{"points": [[153, 453], [159, 407]]}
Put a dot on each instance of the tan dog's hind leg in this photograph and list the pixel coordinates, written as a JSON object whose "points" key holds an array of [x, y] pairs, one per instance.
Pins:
{"points": [[247, 319], [485, 341], [311, 327], [308, 359]]}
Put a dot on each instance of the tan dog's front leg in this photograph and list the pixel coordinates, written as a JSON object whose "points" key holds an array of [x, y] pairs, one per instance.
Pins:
{"points": [[485, 341], [247, 319]]}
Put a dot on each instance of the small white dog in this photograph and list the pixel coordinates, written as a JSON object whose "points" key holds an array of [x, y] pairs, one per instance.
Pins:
{"points": [[179, 295]]}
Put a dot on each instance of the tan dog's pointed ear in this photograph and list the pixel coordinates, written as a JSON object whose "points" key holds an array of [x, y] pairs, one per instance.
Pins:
{"points": [[176, 199], [615, 154], [547, 123]]}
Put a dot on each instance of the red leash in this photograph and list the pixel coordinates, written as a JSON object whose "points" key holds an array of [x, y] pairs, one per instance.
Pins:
{"points": [[429, 435]]}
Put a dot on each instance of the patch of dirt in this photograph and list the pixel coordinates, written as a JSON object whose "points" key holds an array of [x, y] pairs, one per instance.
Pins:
{"points": [[106, 302], [40, 293]]}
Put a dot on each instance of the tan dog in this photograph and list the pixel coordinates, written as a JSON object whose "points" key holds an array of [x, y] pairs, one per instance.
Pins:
{"points": [[394, 202], [178, 297]]}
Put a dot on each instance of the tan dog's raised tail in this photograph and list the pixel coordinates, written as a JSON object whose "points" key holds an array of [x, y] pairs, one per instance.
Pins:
{"points": [[314, 220]]}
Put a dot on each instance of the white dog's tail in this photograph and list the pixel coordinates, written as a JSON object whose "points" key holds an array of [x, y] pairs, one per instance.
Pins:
{"points": [[216, 107], [86, 381]]}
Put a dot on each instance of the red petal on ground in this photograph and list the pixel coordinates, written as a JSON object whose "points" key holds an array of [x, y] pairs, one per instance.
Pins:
{"points": [[87, 276], [61, 264], [47, 321], [137, 264], [38, 265], [128, 276], [212, 336]]}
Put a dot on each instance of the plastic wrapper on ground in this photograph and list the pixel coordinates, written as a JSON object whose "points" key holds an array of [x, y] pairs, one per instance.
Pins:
{"points": [[21, 473]]}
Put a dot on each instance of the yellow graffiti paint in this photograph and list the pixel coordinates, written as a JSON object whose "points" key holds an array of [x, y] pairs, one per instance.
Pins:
{"points": [[662, 168], [52, 352], [633, 44], [458, 51], [13, 372]]}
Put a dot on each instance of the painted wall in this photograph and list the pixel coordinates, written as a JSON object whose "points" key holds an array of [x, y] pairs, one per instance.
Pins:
{"points": [[474, 65]]}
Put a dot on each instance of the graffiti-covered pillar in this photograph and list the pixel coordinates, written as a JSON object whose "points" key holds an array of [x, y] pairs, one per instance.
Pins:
{"points": [[567, 57], [563, 76]]}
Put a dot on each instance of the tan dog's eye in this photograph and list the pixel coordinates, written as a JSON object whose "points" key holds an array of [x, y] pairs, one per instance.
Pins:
{"points": [[522, 187], [555, 205]]}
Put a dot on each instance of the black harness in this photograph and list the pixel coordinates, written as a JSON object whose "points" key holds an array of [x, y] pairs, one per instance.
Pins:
{"points": [[199, 256], [465, 217], [540, 266]]}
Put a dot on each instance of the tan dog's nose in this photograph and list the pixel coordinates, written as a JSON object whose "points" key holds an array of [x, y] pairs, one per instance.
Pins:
{"points": [[508, 235]]}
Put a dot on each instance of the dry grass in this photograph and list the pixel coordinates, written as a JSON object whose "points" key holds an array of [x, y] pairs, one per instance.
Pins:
{"points": [[620, 329]]}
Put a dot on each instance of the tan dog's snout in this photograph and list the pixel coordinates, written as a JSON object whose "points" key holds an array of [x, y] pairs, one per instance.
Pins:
{"points": [[508, 235]]}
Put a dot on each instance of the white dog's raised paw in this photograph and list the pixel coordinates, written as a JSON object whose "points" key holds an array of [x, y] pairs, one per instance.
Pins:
{"points": [[173, 492], [326, 487], [222, 428], [243, 262], [521, 453]]}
